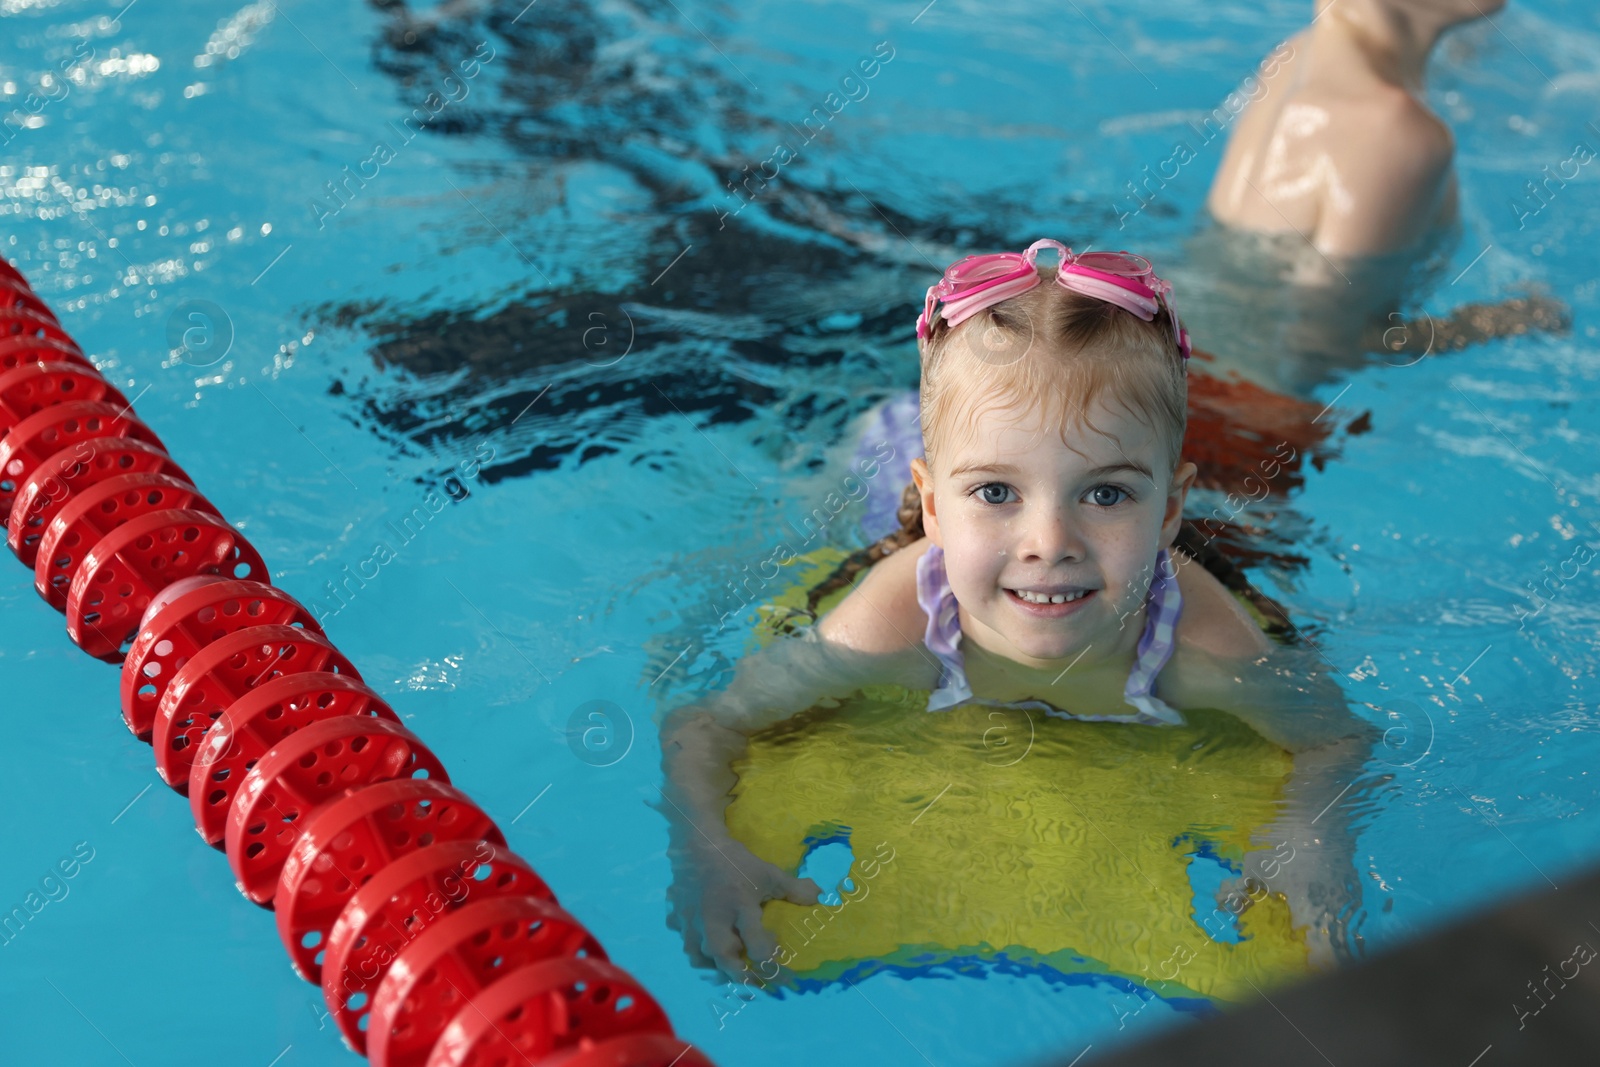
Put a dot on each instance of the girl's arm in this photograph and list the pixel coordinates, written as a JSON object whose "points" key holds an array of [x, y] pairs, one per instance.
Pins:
{"points": [[1309, 853], [872, 636], [1289, 697], [701, 739], [719, 885]]}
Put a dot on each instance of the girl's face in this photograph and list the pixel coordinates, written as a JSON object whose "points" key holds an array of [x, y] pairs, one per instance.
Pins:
{"points": [[1023, 517]]}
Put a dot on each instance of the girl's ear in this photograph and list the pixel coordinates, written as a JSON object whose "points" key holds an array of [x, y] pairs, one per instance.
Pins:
{"points": [[1182, 479], [930, 518]]}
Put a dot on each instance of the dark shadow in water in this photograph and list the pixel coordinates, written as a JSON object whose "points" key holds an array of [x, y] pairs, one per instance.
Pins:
{"points": [[691, 327]]}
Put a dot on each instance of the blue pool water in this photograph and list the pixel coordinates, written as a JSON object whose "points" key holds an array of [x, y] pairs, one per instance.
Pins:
{"points": [[535, 325]]}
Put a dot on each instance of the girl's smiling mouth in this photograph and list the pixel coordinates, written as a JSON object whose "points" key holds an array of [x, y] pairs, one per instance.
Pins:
{"points": [[1050, 604]]}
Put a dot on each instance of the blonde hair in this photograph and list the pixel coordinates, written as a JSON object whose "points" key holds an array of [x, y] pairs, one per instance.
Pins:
{"points": [[1059, 348]]}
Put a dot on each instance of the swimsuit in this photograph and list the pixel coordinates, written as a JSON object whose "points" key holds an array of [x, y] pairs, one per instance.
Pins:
{"points": [[943, 638]]}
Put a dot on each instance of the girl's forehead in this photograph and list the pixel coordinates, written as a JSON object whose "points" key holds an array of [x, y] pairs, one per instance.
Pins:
{"points": [[1106, 434]]}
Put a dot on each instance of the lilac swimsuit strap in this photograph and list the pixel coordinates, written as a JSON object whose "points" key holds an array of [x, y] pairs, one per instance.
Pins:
{"points": [[943, 638]]}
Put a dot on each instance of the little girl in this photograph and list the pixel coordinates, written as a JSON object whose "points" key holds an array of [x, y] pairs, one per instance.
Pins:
{"points": [[1052, 488]]}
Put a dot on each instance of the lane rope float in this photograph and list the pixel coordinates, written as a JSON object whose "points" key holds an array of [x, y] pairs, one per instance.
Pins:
{"points": [[389, 885], [88, 461]]}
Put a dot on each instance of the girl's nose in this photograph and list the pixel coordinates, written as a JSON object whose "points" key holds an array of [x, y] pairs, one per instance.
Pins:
{"points": [[1050, 535]]}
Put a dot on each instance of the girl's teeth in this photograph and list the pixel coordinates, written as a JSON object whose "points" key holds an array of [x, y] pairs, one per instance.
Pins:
{"points": [[1040, 598]]}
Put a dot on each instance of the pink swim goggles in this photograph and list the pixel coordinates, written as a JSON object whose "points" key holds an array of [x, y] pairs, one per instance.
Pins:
{"points": [[1121, 278]]}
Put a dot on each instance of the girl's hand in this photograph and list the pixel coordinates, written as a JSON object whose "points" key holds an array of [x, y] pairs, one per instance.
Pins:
{"points": [[716, 897], [1318, 885]]}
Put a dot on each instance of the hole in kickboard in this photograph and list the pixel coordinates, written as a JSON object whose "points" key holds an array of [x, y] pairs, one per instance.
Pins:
{"points": [[1207, 871]]}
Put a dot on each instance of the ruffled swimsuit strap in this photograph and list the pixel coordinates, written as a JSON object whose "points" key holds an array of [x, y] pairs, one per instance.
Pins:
{"points": [[943, 634], [1162, 608]]}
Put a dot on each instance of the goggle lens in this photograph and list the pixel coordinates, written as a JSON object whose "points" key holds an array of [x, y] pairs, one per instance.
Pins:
{"points": [[975, 270], [1122, 264]]}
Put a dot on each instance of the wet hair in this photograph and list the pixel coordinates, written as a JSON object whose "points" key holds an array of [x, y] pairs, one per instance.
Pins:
{"points": [[1056, 347]]}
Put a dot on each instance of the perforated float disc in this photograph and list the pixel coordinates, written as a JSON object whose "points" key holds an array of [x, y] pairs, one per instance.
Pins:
{"points": [[402, 901], [359, 740], [132, 563], [44, 433], [224, 671], [629, 1050], [16, 298], [37, 386], [12, 274], [455, 959], [544, 1008], [184, 618], [95, 512], [346, 841], [19, 351], [82, 461], [28, 326], [266, 814], [26, 451]]}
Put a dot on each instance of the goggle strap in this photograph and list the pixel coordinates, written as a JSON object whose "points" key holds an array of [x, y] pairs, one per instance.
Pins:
{"points": [[1111, 292], [957, 309]]}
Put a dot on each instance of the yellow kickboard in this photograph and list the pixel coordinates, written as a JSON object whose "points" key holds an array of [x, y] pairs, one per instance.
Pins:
{"points": [[994, 835]]}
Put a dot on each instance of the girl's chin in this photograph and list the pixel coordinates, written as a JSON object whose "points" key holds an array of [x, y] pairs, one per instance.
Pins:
{"points": [[1042, 644]]}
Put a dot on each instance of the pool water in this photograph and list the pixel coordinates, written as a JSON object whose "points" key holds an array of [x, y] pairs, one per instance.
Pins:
{"points": [[454, 312]]}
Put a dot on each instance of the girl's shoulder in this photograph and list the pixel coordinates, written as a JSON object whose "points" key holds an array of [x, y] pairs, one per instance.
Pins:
{"points": [[881, 614], [1213, 622]]}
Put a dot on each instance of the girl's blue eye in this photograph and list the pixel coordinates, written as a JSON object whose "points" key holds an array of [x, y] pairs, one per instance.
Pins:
{"points": [[984, 492], [1097, 495]]}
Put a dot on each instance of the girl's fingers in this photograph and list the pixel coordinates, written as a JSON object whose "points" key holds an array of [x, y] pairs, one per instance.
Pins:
{"points": [[688, 926], [801, 891], [724, 948], [759, 943], [692, 946], [1236, 895]]}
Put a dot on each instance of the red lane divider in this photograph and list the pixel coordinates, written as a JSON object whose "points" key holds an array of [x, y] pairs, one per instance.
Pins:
{"points": [[60, 475], [20, 351], [37, 436], [32, 387], [399, 903], [131, 564], [185, 617], [459, 956], [97, 510], [266, 819], [344, 840], [25, 325], [12, 274], [16, 296], [345, 733], [225, 671], [630, 1050], [434, 944], [546, 1007]]}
